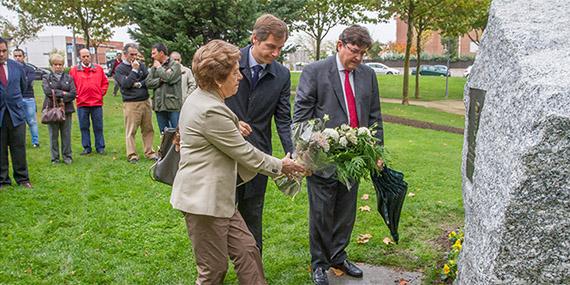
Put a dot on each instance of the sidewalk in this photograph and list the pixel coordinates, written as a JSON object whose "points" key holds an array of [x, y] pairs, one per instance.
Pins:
{"points": [[450, 106]]}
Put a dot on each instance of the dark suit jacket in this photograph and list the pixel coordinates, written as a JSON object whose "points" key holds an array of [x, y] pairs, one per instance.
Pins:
{"points": [[320, 92], [270, 98], [11, 100]]}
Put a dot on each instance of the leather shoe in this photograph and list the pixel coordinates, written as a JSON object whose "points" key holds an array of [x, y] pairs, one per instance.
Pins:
{"points": [[26, 184], [85, 152], [320, 276], [349, 268]]}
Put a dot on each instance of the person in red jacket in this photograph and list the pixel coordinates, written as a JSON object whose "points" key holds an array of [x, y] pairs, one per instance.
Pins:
{"points": [[91, 84]]}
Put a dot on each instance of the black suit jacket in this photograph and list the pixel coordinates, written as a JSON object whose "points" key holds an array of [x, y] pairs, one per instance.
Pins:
{"points": [[269, 99]]}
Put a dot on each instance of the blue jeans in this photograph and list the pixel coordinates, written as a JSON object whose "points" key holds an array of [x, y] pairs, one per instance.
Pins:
{"points": [[167, 119], [31, 119], [96, 115]]}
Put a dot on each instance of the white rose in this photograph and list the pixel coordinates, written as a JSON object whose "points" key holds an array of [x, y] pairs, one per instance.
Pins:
{"points": [[331, 134], [345, 127], [351, 136], [363, 130], [343, 141]]}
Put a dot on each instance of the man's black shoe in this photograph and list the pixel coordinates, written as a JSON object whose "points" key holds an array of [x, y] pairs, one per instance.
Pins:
{"points": [[349, 268], [320, 276], [85, 152], [101, 151]]}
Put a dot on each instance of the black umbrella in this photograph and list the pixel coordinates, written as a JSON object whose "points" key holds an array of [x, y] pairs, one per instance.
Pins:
{"points": [[390, 192]]}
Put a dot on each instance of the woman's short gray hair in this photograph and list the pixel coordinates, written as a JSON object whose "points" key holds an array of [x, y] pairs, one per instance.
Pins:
{"points": [[56, 57]]}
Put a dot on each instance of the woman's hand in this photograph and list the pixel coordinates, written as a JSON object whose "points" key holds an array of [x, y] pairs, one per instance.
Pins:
{"points": [[244, 129], [290, 167]]}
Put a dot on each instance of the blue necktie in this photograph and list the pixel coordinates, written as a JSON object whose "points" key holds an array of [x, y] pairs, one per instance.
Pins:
{"points": [[256, 70]]}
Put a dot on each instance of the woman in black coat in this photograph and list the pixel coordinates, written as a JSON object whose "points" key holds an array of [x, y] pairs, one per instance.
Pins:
{"points": [[60, 85]]}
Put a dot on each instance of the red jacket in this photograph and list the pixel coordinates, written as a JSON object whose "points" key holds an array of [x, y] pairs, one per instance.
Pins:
{"points": [[91, 84]]}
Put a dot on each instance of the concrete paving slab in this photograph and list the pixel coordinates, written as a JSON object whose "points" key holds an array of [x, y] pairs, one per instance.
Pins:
{"points": [[377, 275]]}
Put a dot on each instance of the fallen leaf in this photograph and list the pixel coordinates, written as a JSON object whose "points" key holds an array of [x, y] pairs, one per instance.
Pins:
{"points": [[365, 208], [365, 197], [337, 272], [363, 238], [403, 281], [411, 194], [388, 240]]}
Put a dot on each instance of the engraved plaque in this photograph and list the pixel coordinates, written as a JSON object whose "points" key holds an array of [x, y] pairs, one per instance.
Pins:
{"points": [[476, 102]]}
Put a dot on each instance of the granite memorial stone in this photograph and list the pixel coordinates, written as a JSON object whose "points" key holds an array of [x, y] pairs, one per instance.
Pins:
{"points": [[516, 153]]}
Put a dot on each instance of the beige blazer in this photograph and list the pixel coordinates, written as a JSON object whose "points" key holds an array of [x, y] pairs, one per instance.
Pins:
{"points": [[212, 154]]}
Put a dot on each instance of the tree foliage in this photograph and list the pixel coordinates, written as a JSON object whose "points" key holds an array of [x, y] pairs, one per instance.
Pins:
{"points": [[460, 17], [26, 29], [449, 17], [320, 16], [91, 18], [184, 28]]}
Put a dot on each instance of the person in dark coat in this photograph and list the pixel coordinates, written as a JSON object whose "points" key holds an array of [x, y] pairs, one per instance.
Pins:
{"points": [[29, 98], [263, 94], [346, 90], [60, 85], [12, 120]]}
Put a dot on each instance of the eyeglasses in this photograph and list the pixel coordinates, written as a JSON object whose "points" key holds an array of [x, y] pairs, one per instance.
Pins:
{"points": [[354, 50]]}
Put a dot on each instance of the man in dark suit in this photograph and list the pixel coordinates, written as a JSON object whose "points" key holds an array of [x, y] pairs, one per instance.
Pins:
{"points": [[263, 94], [12, 119], [347, 91]]}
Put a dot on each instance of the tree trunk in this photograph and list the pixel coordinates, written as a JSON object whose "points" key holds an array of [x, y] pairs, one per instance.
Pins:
{"points": [[418, 63], [317, 49], [409, 35]]}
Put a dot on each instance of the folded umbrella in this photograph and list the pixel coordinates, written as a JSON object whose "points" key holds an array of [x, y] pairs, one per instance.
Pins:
{"points": [[390, 192]]}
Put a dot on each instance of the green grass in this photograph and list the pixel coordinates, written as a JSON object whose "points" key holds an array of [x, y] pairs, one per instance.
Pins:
{"points": [[102, 220], [423, 114], [431, 87]]}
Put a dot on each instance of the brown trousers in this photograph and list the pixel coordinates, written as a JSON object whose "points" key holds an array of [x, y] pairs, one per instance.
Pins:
{"points": [[138, 114], [214, 240]]}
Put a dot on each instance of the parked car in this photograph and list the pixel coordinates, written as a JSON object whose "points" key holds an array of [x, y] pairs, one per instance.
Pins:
{"points": [[39, 72], [433, 70], [382, 69], [467, 71]]}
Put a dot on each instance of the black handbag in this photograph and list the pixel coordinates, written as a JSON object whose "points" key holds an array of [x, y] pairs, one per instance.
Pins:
{"points": [[55, 113], [164, 170]]}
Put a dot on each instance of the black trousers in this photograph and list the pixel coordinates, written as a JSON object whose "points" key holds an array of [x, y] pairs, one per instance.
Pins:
{"points": [[332, 212], [13, 139], [250, 198]]}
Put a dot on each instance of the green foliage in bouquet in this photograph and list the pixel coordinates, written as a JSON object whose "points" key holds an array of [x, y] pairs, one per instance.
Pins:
{"points": [[354, 152], [351, 152]]}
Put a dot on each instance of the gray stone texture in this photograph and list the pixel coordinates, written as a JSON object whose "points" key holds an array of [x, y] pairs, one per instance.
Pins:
{"points": [[517, 207]]}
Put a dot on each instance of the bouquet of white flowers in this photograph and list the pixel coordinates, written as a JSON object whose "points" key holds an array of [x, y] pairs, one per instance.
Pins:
{"points": [[353, 152]]}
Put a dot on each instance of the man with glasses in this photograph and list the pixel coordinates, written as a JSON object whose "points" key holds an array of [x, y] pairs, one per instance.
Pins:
{"points": [[188, 81], [131, 75], [263, 94], [347, 91]]}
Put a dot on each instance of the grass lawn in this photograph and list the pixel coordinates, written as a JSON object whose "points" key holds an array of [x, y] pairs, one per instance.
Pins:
{"points": [[102, 220], [431, 87]]}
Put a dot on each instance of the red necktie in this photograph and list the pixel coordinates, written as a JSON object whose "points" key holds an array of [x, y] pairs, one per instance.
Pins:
{"points": [[3, 75], [350, 100]]}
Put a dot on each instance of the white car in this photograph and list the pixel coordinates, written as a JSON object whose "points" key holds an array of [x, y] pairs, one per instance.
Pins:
{"points": [[382, 69]]}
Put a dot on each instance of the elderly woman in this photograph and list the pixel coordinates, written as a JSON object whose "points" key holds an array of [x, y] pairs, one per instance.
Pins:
{"points": [[60, 85], [213, 156]]}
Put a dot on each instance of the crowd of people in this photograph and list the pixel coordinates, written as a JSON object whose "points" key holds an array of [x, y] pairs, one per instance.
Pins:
{"points": [[223, 107]]}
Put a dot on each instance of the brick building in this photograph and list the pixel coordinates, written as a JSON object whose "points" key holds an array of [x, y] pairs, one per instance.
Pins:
{"points": [[433, 45]]}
